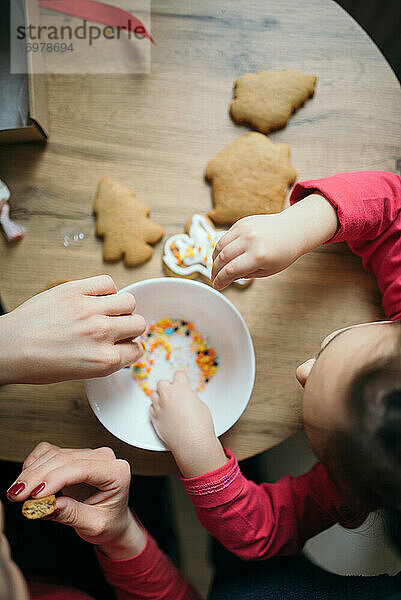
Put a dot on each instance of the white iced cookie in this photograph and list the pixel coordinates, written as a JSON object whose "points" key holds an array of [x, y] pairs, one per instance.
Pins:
{"points": [[190, 254]]}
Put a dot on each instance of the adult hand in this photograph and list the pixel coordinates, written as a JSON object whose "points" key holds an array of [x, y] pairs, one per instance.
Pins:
{"points": [[263, 245], [103, 517], [185, 424], [77, 330]]}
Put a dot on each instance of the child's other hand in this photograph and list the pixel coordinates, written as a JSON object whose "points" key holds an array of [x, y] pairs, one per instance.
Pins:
{"points": [[255, 246], [185, 424], [263, 245]]}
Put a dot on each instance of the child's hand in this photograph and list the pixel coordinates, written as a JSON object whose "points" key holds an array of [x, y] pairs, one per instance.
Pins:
{"points": [[263, 245], [255, 246], [185, 424]]}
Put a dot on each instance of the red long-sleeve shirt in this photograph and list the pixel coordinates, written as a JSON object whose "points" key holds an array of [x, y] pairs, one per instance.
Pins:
{"points": [[258, 521]]}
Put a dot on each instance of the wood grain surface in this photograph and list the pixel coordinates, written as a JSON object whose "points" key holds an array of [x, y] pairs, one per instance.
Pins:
{"points": [[155, 133]]}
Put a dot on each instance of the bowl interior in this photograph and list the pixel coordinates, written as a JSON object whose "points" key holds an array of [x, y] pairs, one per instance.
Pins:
{"points": [[122, 406]]}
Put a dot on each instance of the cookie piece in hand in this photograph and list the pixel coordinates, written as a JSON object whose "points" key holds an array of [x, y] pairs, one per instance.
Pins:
{"points": [[189, 254], [123, 223], [267, 99], [39, 507], [249, 177]]}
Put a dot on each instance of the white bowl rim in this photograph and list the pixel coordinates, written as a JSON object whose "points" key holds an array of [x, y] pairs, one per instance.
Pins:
{"points": [[191, 282]]}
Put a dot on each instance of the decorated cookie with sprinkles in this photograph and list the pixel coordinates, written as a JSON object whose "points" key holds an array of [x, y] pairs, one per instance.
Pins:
{"points": [[189, 254], [160, 344]]}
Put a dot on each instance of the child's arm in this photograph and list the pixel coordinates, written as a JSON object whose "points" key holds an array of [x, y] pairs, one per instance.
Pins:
{"points": [[252, 521], [365, 212], [368, 206], [263, 245]]}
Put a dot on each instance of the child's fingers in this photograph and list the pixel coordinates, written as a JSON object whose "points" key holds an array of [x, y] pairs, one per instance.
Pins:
{"points": [[152, 412], [162, 386], [155, 398], [235, 269], [256, 274], [181, 378], [225, 239], [227, 254]]}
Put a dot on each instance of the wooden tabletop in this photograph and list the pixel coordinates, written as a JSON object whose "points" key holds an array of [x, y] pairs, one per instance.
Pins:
{"points": [[155, 133]]}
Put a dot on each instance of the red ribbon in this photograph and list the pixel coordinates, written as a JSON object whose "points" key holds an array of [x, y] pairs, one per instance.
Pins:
{"points": [[97, 12]]}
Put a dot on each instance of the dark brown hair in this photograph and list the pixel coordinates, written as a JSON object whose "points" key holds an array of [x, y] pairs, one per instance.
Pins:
{"points": [[367, 455]]}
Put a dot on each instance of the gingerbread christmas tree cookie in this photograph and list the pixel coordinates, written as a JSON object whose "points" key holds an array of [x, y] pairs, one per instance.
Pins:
{"points": [[267, 99], [251, 176], [123, 223]]}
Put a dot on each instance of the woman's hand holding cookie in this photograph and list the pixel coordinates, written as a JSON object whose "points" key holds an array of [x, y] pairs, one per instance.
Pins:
{"points": [[262, 245], [185, 424], [100, 516], [77, 330]]}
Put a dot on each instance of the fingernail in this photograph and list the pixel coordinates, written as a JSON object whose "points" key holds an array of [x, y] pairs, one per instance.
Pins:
{"points": [[38, 489], [16, 489]]}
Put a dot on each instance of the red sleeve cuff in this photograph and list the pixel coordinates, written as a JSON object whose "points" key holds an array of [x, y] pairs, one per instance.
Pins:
{"points": [[136, 565], [217, 487], [345, 199]]}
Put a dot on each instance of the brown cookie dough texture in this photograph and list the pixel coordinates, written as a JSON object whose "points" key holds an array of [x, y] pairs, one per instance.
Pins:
{"points": [[39, 507], [123, 223], [267, 99], [251, 176]]}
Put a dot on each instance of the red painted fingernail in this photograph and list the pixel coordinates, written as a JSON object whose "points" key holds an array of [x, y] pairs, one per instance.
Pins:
{"points": [[16, 489], [38, 489]]}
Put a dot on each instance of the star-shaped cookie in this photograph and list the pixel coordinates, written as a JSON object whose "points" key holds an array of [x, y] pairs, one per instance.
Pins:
{"points": [[267, 99], [251, 176], [123, 222]]}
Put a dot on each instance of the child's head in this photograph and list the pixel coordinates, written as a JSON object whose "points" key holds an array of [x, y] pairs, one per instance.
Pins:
{"points": [[352, 409]]}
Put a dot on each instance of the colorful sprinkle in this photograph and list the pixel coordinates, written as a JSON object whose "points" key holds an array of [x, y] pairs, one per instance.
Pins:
{"points": [[205, 355]]}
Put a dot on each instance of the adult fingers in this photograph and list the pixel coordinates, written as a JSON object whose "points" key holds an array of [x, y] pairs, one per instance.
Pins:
{"points": [[43, 448], [227, 254], [129, 353], [73, 513], [115, 304], [127, 327], [45, 451], [53, 476], [226, 239], [101, 285], [236, 269], [54, 457]]}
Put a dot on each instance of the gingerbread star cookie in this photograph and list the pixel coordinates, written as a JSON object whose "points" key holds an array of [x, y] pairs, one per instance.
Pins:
{"points": [[267, 99], [189, 254], [251, 176], [123, 223]]}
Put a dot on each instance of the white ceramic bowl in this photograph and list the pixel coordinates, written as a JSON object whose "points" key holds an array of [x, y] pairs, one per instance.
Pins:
{"points": [[118, 401]]}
